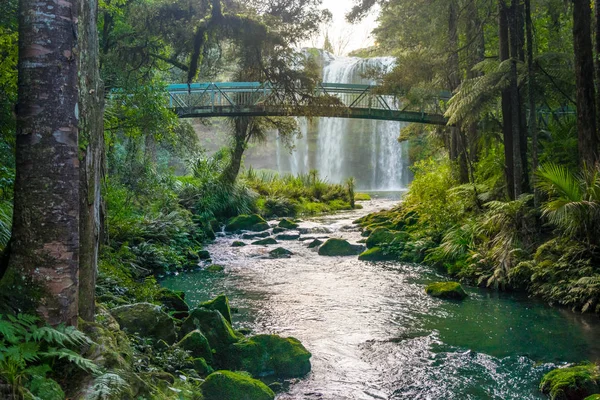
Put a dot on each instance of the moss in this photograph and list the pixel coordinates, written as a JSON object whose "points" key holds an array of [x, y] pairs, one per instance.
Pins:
{"points": [[277, 230], [215, 268], [146, 320], [259, 235], [174, 302], [238, 243], [204, 255], [265, 242], [571, 383], [287, 224], [446, 290], [288, 236], [202, 367], [593, 397], [227, 385], [273, 355], [280, 252], [361, 197], [197, 344], [254, 223], [315, 243], [221, 304], [339, 247], [376, 254], [380, 236]]}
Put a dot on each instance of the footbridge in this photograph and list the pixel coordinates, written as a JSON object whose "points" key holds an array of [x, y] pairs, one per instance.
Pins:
{"points": [[254, 99]]}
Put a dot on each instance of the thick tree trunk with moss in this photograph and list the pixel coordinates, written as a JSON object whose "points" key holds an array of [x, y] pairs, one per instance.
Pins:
{"points": [[45, 240], [515, 98], [584, 74], [241, 134], [91, 137]]}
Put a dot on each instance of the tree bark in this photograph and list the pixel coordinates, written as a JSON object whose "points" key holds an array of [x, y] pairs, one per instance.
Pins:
{"points": [[242, 127], [584, 74], [91, 137], [515, 100], [45, 239], [533, 130], [503, 40]]}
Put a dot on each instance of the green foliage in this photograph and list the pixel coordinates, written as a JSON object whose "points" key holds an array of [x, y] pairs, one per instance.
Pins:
{"points": [[28, 352], [573, 382]]}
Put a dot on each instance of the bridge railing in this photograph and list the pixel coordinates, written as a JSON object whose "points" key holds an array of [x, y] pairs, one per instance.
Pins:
{"points": [[208, 98]]}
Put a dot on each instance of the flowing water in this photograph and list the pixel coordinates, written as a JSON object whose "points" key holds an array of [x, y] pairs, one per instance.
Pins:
{"points": [[373, 332], [340, 148]]}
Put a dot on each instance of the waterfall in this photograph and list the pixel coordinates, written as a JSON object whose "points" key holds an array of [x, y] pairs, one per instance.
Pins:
{"points": [[340, 147]]}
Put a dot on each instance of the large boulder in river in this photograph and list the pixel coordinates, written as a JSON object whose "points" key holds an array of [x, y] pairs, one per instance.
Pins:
{"points": [[227, 385], [197, 344], [339, 247], [280, 252], [376, 254], [446, 290], [217, 330], [253, 222], [221, 304], [572, 383], [272, 355], [146, 320]]}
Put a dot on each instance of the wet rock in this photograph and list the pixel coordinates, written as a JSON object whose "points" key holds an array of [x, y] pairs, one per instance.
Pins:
{"points": [[146, 320], [315, 243], [446, 290], [279, 230], [265, 242], [227, 385], [380, 236], [250, 236], [197, 344], [288, 224], [288, 236], [221, 304], [202, 367], [280, 252], [339, 247], [204, 255], [215, 268], [273, 355], [572, 383], [315, 230], [238, 243], [376, 254], [253, 223], [215, 328]]}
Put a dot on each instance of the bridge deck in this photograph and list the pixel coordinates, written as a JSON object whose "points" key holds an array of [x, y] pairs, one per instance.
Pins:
{"points": [[201, 100]]}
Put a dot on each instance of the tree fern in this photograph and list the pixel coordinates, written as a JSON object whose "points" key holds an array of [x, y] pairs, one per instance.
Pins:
{"points": [[107, 386]]}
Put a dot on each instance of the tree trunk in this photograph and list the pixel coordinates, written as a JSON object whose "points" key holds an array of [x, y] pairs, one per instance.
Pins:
{"points": [[242, 126], [597, 67], [503, 40], [584, 74], [515, 100], [91, 137], [533, 131], [45, 239]]}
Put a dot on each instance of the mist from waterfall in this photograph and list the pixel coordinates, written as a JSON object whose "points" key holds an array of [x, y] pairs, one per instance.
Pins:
{"points": [[339, 147]]}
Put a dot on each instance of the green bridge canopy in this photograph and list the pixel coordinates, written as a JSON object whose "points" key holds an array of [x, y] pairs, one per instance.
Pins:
{"points": [[227, 99]]}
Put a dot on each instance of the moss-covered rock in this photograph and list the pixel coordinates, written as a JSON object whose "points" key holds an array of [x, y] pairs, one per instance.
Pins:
{"points": [[204, 255], [265, 242], [197, 344], [380, 236], [278, 229], [216, 329], [221, 304], [376, 254], [287, 224], [288, 236], [280, 252], [202, 367], [572, 383], [254, 223], [339, 247], [593, 397], [238, 243], [315, 243], [174, 302], [215, 268], [273, 355], [227, 385], [446, 290], [146, 320]]}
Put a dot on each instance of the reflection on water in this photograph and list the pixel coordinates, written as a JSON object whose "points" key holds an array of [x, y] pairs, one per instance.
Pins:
{"points": [[373, 332]]}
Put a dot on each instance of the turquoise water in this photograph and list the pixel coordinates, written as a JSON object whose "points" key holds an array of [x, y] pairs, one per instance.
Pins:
{"points": [[373, 332]]}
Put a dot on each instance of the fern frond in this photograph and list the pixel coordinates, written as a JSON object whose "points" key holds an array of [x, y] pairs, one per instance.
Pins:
{"points": [[73, 357], [107, 386]]}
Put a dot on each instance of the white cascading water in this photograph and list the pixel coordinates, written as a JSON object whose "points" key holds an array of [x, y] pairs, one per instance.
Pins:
{"points": [[366, 149]]}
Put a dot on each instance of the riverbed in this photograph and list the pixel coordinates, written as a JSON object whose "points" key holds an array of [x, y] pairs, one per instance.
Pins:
{"points": [[375, 334]]}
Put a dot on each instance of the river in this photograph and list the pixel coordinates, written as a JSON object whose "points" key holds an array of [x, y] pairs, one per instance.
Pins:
{"points": [[375, 334]]}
